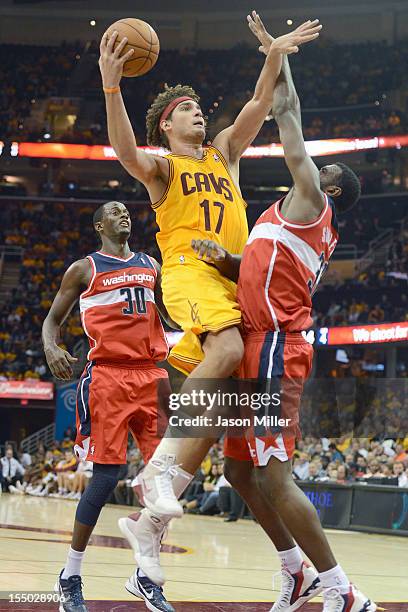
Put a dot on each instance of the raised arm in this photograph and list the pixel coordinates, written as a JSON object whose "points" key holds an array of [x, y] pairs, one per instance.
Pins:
{"points": [[158, 296], [75, 278], [151, 170], [235, 139], [306, 199]]}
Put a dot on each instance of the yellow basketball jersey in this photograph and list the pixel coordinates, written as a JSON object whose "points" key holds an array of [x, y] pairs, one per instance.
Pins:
{"points": [[201, 201]]}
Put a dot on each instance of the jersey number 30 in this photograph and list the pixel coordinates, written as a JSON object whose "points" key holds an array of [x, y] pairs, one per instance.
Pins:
{"points": [[139, 300]]}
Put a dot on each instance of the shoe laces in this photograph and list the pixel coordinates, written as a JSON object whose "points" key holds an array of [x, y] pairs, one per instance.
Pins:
{"points": [[333, 601], [164, 481], [74, 588], [286, 588]]}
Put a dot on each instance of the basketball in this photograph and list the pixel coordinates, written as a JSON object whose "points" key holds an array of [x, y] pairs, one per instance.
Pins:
{"points": [[143, 39]]}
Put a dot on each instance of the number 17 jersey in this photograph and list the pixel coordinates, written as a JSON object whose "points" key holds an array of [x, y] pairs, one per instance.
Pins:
{"points": [[118, 311], [201, 202]]}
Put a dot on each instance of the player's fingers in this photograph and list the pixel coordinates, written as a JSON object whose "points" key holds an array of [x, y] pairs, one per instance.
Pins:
{"points": [[104, 41], [305, 39], [127, 56], [259, 22], [196, 245], [70, 358], [307, 24], [119, 48], [111, 41], [203, 248], [251, 24]]}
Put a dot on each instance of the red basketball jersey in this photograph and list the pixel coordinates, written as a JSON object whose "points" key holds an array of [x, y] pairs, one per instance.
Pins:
{"points": [[281, 266], [118, 310]]}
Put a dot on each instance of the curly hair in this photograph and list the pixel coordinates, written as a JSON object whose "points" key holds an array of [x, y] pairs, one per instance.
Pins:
{"points": [[155, 137], [351, 189]]}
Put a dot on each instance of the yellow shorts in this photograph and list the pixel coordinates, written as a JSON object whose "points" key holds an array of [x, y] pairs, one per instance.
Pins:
{"points": [[200, 300]]}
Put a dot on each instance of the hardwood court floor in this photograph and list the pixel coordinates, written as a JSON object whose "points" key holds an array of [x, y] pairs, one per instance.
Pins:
{"points": [[206, 560]]}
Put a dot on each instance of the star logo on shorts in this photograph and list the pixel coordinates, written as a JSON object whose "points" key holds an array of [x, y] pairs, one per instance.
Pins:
{"points": [[194, 313]]}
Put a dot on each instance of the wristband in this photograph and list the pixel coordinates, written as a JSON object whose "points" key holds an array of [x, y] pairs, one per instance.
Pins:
{"points": [[111, 90]]}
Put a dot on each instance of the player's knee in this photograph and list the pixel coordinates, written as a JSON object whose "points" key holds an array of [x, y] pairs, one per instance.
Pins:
{"points": [[231, 472], [275, 487], [237, 472], [225, 349], [99, 490], [233, 354]]}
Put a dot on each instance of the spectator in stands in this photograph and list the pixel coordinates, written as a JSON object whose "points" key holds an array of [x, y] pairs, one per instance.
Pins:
{"points": [[400, 473], [314, 470], [343, 476], [123, 493], [11, 469], [301, 467], [25, 458], [230, 503], [65, 472], [80, 480]]}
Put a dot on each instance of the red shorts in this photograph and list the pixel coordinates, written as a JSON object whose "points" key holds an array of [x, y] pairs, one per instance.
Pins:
{"points": [[280, 362], [113, 400]]}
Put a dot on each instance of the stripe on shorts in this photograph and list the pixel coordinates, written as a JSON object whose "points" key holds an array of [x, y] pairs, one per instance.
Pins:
{"points": [[83, 400]]}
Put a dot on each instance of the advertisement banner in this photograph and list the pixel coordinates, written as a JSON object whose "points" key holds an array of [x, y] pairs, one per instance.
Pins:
{"points": [[26, 389], [379, 508], [315, 148], [332, 502], [363, 334], [65, 409]]}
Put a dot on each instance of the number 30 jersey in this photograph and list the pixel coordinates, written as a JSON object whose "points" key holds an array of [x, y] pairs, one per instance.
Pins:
{"points": [[281, 266], [118, 310], [201, 202]]}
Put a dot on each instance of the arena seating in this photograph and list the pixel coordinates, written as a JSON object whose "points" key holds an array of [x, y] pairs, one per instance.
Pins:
{"points": [[354, 80]]}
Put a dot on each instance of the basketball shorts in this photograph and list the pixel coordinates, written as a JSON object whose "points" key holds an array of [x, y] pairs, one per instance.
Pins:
{"points": [[113, 399], [200, 300], [276, 364]]}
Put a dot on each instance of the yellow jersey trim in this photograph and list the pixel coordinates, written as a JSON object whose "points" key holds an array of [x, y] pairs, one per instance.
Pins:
{"points": [[169, 182], [225, 164]]}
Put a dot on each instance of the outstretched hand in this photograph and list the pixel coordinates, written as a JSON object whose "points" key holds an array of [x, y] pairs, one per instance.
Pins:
{"points": [[209, 250], [111, 61], [258, 29], [288, 43]]}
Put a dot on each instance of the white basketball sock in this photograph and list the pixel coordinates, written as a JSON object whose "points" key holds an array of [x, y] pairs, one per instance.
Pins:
{"points": [[335, 577], [291, 559], [73, 564]]}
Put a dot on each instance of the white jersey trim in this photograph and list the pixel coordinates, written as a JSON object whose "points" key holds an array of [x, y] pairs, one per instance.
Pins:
{"points": [[267, 284], [279, 234], [91, 282], [114, 256], [110, 297], [302, 225]]}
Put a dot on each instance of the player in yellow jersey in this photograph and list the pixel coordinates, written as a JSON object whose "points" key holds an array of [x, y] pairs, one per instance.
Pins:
{"points": [[195, 193], [196, 196]]}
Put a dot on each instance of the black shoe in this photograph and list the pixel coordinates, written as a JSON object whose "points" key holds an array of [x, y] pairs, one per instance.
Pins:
{"points": [[143, 587], [230, 519], [70, 591]]}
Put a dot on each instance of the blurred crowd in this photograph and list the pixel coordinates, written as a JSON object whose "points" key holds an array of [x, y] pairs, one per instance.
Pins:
{"points": [[354, 81], [348, 460]]}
